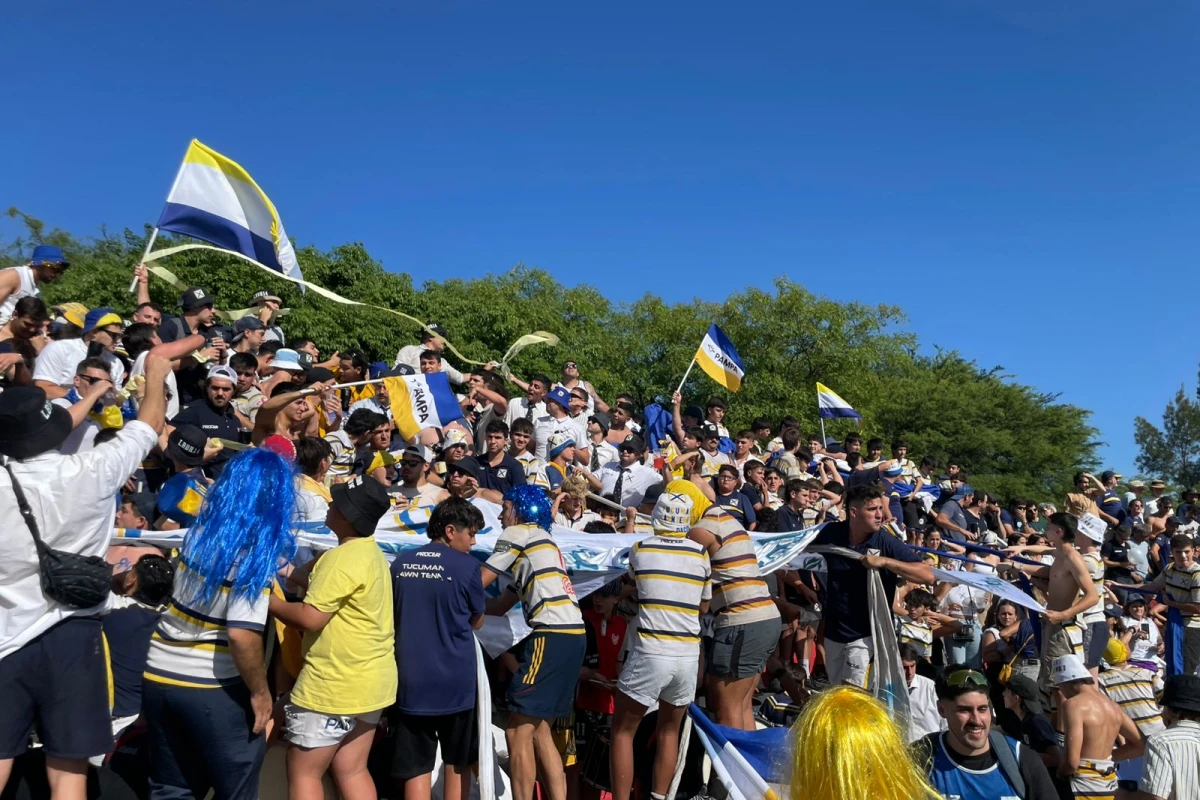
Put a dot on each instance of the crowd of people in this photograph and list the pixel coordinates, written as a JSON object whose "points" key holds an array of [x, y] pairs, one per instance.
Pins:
{"points": [[171, 670]]}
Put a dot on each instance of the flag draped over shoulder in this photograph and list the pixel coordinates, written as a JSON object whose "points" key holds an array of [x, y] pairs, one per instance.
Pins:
{"points": [[718, 357], [215, 200], [830, 405], [421, 401]]}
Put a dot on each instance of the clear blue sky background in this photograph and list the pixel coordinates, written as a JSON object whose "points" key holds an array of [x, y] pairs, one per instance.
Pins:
{"points": [[1019, 175]]}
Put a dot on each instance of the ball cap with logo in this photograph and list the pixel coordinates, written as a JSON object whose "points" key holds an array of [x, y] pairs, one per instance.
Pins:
{"points": [[362, 501], [195, 297], [261, 297], [29, 424], [1069, 668], [560, 441], [186, 445]]}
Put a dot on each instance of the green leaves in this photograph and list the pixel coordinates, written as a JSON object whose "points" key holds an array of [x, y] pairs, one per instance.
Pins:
{"points": [[1011, 438]]}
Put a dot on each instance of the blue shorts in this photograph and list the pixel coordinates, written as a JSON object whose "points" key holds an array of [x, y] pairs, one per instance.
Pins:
{"points": [[544, 685], [59, 682]]}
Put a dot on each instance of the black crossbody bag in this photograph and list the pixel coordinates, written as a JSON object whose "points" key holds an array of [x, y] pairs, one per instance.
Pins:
{"points": [[68, 578]]}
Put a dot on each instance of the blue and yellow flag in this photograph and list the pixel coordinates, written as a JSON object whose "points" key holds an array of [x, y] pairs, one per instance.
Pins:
{"points": [[718, 357]]}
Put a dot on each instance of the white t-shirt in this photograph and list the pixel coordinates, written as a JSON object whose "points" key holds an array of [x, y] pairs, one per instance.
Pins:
{"points": [[1142, 649], [82, 438], [28, 288], [58, 361], [923, 709], [973, 601], [545, 428], [139, 368], [73, 501]]}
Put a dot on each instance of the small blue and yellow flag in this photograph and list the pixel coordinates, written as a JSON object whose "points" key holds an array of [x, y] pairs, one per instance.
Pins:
{"points": [[718, 357]]}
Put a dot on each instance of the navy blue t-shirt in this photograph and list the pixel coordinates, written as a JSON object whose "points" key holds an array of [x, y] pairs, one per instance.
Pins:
{"points": [[216, 424], [847, 610], [502, 477], [739, 507], [788, 519], [436, 591], [128, 631]]}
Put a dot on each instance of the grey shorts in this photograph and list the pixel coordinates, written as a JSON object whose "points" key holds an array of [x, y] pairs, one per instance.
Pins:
{"points": [[741, 651]]}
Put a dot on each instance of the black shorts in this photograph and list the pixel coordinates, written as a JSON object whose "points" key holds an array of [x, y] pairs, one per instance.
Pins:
{"points": [[547, 675], [59, 682], [417, 740]]}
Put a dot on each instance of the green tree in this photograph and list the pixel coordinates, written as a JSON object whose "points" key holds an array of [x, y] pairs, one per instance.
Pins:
{"points": [[1171, 452]]}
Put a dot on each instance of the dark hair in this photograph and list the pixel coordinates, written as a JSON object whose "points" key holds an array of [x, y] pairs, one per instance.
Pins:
{"points": [[928, 462], [95, 362], [598, 526], [752, 463], [744, 434], [696, 432], [430, 355], [151, 306], [497, 426], [760, 423], [270, 347], [731, 469], [768, 520], [790, 438], [864, 492], [875, 444], [627, 408], [298, 342], [357, 359], [1182, 540], [920, 597], [715, 402], [310, 452], [453, 511], [494, 383], [155, 577], [853, 460], [899, 443], [852, 438], [362, 421], [138, 338], [833, 487], [31, 306], [792, 486], [769, 471], [909, 652], [788, 422], [242, 361], [1068, 522], [521, 425], [542, 379]]}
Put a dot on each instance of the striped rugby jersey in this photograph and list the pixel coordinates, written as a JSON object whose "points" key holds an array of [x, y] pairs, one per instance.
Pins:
{"points": [[1095, 568], [190, 646], [917, 633], [1184, 587], [1132, 688], [739, 593], [532, 558], [673, 578]]}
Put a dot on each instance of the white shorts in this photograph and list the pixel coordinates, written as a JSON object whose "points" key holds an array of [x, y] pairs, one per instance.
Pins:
{"points": [[309, 729], [648, 679], [848, 662]]}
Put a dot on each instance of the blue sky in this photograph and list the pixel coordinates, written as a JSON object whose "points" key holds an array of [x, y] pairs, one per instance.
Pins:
{"points": [[1019, 176]]}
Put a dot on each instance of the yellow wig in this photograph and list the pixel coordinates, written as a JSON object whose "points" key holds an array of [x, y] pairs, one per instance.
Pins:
{"points": [[700, 503], [848, 748]]}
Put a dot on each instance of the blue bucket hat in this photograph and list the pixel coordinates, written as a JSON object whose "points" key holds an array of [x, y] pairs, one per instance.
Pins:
{"points": [[48, 254]]}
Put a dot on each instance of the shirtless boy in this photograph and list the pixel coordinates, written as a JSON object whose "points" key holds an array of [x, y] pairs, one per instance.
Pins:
{"points": [[1090, 724]]}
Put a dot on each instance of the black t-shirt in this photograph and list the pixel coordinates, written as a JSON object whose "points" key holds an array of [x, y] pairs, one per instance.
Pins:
{"points": [[1115, 551], [128, 631], [221, 424], [190, 377], [502, 477], [847, 608]]}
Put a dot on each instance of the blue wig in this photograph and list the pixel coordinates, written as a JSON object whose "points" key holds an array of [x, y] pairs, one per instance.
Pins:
{"points": [[531, 504], [244, 526]]}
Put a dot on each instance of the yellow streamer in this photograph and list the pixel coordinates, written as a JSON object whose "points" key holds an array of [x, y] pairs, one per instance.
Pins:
{"points": [[537, 337]]}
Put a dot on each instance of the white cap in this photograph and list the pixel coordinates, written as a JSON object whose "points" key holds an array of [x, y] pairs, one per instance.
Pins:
{"points": [[1092, 527], [1069, 668], [672, 513], [454, 436], [418, 451], [286, 359]]}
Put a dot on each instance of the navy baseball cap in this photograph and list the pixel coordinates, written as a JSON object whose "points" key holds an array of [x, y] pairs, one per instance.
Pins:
{"points": [[48, 254]]}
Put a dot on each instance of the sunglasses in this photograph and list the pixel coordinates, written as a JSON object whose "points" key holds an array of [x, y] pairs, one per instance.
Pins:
{"points": [[966, 677], [569, 365], [90, 380]]}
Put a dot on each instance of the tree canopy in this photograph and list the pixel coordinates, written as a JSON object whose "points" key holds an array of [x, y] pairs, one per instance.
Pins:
{"points": [[1173, 451], [1012, 439]]}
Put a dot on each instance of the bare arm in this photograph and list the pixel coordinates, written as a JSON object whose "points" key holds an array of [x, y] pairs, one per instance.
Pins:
{"points": [[1072, 725], [10, 281], [246, 648], [944, 521], [912, 572], [299, 615], [179, 348], [142, 275], [1134, 744], [677, 417], [153, 408], [79, 411]]}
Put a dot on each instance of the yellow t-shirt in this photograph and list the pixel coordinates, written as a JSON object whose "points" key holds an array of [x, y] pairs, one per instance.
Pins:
{"points": [[350, 665]]}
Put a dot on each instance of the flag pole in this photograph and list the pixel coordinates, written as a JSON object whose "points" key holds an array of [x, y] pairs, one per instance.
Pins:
{"points": [[824, 441], [154, 233], [685, 375]]}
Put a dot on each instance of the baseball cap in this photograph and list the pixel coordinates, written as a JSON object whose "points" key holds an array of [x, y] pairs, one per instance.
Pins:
{"points": [[418, 451], [559, 441], [433, 328], [186, 445], [1069, 668], [963, 491], [1115, 611], [465, 464], [1107, 475], [194, 297], [286, 359], [362, 501], [398, 371], [222, 371], [319, 375], [610, 589], [454, 436], [633, 443], [244, 324], [48, 254], [652, 494], [1026, 689], [695, 412], [1116, 652], [74, 313], [261, 297], [146, 504], [99, 317], [561, 396], [672, 513], [892, 469], [710, 431], [602, 420]]}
